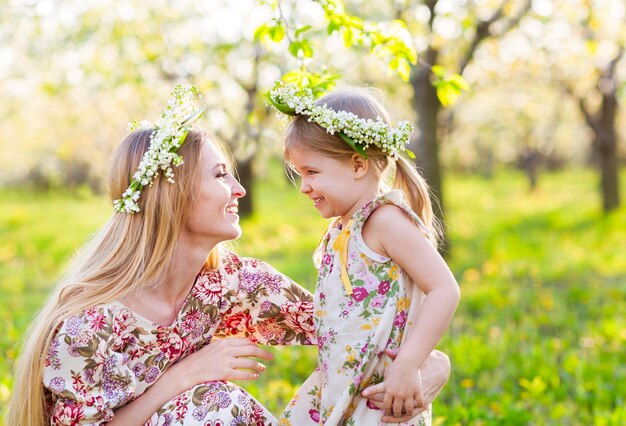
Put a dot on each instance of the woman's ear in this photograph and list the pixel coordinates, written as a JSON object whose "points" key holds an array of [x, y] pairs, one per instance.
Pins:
{"points": [[360, 165]]}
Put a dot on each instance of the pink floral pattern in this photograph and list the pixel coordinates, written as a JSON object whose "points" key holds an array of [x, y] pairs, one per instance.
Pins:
{"points": [[353, 330], [107, 355]]}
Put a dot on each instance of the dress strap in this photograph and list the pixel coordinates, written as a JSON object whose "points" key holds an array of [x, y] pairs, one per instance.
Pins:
{"points": [[340, 245]]}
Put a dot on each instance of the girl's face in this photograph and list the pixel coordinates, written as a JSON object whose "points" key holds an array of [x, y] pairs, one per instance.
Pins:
{"points": [[329, 182], [215, 214]]}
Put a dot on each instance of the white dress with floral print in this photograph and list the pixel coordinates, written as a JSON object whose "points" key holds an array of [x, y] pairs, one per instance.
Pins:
{"points": [[353, 330], [108, 355]]}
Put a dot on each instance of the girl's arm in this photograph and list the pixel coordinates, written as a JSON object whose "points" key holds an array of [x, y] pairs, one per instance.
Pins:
{"points": [[392, 233]]}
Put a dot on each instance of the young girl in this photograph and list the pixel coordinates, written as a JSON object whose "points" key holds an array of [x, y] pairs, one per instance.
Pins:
{"points": [[382, 284]]}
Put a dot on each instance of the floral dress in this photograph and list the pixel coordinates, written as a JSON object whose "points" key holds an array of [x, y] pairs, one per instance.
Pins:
{"points": [[364, 303], [106, 356]]}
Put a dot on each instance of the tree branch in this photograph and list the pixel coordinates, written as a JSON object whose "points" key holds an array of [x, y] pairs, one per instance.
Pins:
{"points": [[483, 30]]}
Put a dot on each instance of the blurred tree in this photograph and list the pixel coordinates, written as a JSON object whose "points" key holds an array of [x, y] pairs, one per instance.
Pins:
{"points": [[602, 118], [583, 46], [91, 67], [448, 35]]}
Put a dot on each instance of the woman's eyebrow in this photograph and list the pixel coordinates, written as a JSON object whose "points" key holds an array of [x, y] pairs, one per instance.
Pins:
{"points": [[220, 166]]}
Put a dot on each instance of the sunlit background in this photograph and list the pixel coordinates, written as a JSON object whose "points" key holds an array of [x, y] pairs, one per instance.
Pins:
{"points": [[525, 164]]}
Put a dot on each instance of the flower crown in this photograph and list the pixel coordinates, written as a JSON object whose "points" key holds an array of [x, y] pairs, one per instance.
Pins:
{"points": [[358, 133], [168, 134]]}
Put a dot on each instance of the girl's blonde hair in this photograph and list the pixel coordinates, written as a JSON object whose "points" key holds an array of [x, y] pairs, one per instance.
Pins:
{"points": [[307, 135], [128, 253]]}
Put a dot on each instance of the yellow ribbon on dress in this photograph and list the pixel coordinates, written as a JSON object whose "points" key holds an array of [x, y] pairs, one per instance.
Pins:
{"points": [[341, 246]]}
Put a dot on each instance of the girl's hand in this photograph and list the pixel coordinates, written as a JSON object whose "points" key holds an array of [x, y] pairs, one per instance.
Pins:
{"points": [[434, 374], [403, 388], [222, 359]]}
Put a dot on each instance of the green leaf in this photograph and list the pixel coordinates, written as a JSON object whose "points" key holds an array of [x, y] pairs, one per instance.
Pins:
{"points": [[277, 33], [333, 26], [294, 48], [438, 70], [348, 36], [410, 153], [282, 108], [260, 32], [307, 50], [302, 30], [459, 82], [358, 148]]}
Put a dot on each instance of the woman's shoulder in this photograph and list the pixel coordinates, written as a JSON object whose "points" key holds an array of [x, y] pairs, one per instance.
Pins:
{"points": [[109, 324], [232, 263]]}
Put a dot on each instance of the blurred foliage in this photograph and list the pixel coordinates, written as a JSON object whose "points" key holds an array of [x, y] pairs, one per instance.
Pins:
{"points": [[387, 40], [538, 338], [540, 335], [73, 73]]}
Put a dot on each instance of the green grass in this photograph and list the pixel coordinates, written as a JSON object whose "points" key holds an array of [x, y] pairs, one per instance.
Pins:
{"points": [[539, 337]]}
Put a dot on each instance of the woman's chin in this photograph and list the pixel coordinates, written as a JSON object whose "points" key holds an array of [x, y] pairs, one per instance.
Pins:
{"points": [[236, 233]]}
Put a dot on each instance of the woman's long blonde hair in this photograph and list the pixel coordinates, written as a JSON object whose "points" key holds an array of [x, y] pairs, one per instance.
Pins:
{"points": [[310, 136], [128, 253]]}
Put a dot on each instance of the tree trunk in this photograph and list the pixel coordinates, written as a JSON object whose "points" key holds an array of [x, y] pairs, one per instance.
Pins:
{"points": [[606, 143], [246, 178], [427, 106]]}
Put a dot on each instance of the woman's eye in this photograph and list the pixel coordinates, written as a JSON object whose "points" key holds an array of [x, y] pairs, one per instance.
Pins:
{"points": [[221, 175]]}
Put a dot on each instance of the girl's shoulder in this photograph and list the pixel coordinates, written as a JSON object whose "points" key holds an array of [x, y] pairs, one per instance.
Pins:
{"points": [[385, 208]]}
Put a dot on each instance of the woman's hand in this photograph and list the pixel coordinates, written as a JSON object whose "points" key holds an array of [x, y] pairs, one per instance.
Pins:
{"points": [[222, 359], [434, 374]]}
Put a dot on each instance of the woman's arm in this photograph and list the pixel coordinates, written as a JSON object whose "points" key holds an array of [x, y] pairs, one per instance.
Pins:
{"points": [[222, 359], [264, 305], [90, 381]]}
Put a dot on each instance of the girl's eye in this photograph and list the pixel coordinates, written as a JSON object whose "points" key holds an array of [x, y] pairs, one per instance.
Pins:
{"points": [[221, 175], [311, 172]]}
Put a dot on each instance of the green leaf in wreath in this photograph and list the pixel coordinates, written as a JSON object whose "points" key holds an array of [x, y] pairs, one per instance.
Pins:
{"points": [[358, 148], [282, 108]]}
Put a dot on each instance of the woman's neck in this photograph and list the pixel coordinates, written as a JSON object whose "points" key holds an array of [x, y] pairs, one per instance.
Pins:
{"points": [[161, 302], [190, 255]]}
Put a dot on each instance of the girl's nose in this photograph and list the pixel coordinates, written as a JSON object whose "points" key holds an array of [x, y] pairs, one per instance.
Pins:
{"points": [[304, 187]]}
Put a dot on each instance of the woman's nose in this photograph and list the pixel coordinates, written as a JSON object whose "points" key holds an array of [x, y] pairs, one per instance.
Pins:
{"points": [[237, 189]]}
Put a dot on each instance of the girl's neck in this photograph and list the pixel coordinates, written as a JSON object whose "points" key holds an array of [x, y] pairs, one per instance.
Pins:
{"points": [[366, 195]]}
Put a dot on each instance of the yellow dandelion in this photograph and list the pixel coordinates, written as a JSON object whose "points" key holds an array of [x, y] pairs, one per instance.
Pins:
{"points": [[467, 383]]}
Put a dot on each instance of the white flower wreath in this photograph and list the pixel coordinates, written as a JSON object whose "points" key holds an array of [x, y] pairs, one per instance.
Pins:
{"points": [[168, 135], [357, 132]]}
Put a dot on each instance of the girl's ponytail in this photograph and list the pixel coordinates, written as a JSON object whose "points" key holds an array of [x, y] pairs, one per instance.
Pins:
{"points": [[409, 180]]}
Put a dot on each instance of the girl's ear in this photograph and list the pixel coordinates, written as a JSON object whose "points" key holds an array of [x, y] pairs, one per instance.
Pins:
{"points": [[360, 165]]}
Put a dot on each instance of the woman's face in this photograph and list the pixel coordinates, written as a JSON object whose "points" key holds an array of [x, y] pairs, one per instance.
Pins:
{"points": [[215, 214]]}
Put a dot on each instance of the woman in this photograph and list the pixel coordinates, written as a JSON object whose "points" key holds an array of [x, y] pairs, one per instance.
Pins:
{"points": [[127, 336]]}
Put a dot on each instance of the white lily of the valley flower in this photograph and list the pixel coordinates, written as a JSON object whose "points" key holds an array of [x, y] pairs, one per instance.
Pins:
{"points": [[391, 141], [168, 134]]}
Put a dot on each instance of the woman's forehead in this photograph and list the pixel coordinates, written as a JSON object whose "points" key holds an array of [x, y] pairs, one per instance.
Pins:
{"points": [[213, 157]]}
